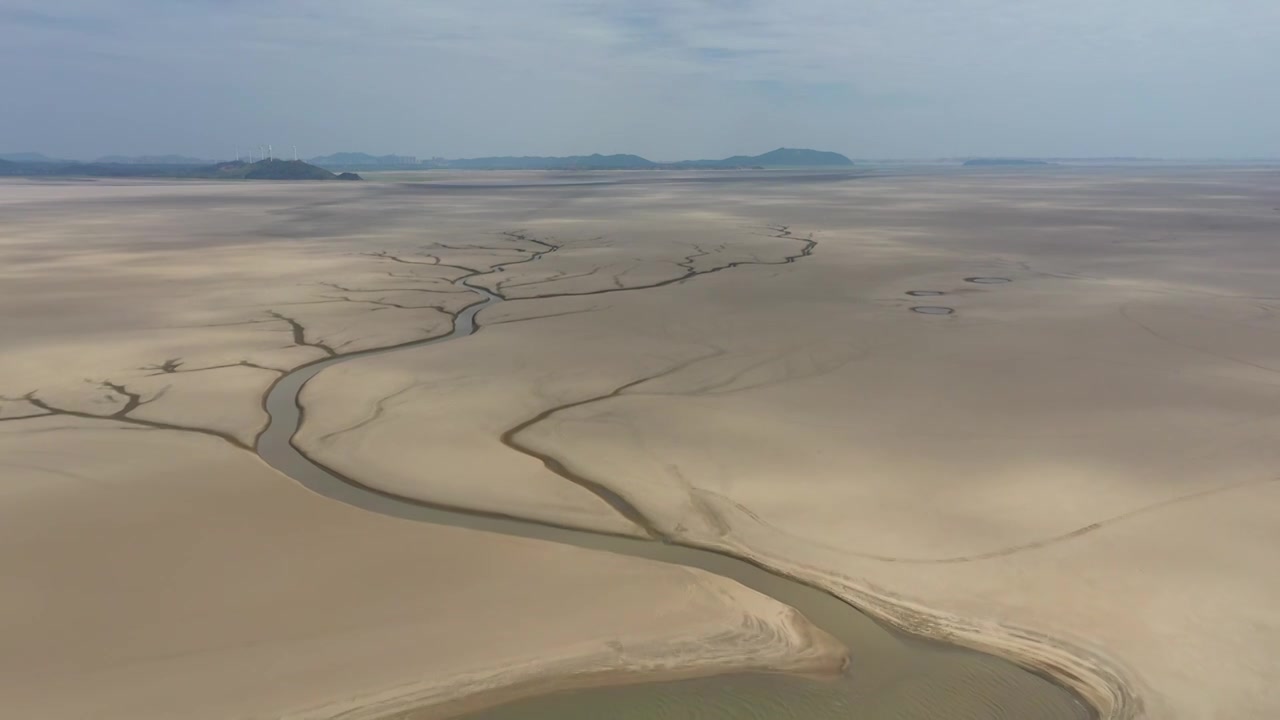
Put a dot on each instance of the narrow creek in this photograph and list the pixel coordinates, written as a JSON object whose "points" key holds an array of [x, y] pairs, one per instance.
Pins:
{"points": [[891, 675]]}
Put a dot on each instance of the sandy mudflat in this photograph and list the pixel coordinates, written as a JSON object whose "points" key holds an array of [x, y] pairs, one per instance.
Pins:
{"points": [[1077, 467], [154, 568], [159, 574]]}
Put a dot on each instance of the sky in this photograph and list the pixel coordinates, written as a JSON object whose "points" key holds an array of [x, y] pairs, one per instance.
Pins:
{"points": [[666, 79]]}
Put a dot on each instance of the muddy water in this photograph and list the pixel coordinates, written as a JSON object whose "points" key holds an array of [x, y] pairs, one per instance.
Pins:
{"points": [[891, 676]]}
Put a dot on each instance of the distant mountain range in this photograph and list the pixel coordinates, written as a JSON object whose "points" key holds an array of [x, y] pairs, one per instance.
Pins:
{"points": [[273, 169], [782, 157], [31, 163]]}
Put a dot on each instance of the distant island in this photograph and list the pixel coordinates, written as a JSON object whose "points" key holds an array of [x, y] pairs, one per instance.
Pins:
{"points": [[780, 158], [270, 169], [1004, 162], [274, 169]]}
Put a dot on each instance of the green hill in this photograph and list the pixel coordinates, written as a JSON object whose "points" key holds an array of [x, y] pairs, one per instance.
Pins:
{"points": [[274, 169]]}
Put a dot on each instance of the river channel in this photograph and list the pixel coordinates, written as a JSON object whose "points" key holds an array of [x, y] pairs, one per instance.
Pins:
{"points": [[890, 676]]}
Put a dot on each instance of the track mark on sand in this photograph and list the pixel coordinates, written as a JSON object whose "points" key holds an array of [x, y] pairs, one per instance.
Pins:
{"points": [[1011, 549]]}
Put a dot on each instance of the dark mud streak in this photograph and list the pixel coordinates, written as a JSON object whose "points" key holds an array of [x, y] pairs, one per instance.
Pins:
{"points": [[610, 496], [445, 507], [382, 303], [133, 401], [300, 335], [808, 245], [345, 289], [384, 255], [619, 503], [174, 366], [483, 295], [508, 438], [539, 317], [507, 285], [32, 416]]}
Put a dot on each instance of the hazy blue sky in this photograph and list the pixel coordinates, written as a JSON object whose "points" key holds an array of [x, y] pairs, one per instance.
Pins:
{"points": [[663, 78]]}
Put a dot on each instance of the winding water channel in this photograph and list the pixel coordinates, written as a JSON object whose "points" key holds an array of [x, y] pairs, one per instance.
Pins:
{"points": [[890, 675]]}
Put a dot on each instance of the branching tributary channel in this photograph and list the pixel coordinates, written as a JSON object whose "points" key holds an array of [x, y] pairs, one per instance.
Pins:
{"points": [[890, 674]]}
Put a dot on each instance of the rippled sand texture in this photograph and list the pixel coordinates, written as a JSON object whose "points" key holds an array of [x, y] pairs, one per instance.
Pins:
{"points": [[1076, 467], [154, 568]]}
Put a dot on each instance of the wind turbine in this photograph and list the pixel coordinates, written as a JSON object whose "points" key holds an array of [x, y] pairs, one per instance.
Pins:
{"points": [[295, 153]]}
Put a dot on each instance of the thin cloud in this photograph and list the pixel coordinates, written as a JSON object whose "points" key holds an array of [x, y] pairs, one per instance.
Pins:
{"points": [[658, 77]]}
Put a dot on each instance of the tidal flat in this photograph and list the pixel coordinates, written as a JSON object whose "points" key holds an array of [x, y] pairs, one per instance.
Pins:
{"points": [[1072, 472]]}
